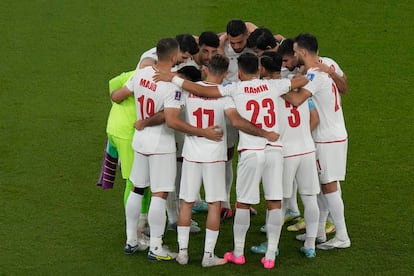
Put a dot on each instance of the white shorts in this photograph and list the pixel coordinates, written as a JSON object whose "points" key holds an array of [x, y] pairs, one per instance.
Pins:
{"points": [[331, 161], [156, 170], [301, 168], [256, 165], [212, 175]]}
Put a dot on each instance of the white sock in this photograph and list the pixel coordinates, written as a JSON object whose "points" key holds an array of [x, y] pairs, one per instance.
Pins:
{"points": [[240, 228], [132, 211], [311, 215], [323, 214], [210, 242], [229, 181], [156, 221], [274, 225], [336, 209], [172, 207], [183, 237], [292, 202]]}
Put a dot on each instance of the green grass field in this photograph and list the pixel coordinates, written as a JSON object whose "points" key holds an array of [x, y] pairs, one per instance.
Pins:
{"points": [[56, 60]]}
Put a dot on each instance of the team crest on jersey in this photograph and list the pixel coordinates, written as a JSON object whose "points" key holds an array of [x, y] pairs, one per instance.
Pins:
{"points": [[177, 95], [310, 76]]}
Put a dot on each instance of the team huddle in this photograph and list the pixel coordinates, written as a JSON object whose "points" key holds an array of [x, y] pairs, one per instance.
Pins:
{"points": [[177, 118]]}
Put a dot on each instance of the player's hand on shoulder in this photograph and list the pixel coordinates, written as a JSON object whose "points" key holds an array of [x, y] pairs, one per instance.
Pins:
{"points": [[163, 76], [322, 67]]}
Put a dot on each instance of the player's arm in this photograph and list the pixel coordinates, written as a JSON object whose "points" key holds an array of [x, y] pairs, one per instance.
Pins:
{"points": [[173, 120], [121, 94], [194, 88], [297, 97], [148, 61], [313, 115], [298, 81], [156, 119], [340, 81], [244, 125], [223, 40]]}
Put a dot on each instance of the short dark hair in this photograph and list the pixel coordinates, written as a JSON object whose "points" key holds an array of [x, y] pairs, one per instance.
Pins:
{"points": [[236, 27], [187, 43], [308, 42], [248, 63], [190, 72], [271, 61], [166, 47], [286, 47], [209, 39], [218, 65], [261, 38]]}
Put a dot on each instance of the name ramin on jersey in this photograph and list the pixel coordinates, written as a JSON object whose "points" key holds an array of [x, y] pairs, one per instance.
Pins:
{"points": [[258, 89]]}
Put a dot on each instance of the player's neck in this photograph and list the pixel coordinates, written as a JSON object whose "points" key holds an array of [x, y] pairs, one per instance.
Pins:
{"points": [[163, 66], [197, 60], [311, 61], [272, 76], [247, 77], [214, 79]]}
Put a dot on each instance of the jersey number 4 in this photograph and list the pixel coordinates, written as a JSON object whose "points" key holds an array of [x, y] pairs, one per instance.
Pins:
{"points": [[269, 120]]}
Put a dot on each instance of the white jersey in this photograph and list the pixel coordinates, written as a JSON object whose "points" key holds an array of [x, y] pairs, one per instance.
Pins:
{"points": [[201, 113], [285, 73], [188, 62], [327, 100], [332, 64], [232, 56], [294, 128], [151, 53], [150, 98], [256, 101]]}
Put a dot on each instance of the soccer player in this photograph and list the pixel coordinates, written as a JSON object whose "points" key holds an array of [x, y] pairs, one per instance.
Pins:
{"points": [[208, 43], [120, 130], [262, 39], [188, 47], [291, 67], [295, 126], [232, 44], [259, 159], [204, 161], [330, 136], [154, 148]]}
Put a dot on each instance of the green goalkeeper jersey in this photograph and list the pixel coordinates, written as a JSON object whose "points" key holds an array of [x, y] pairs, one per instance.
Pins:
{"points": [[122, 116]]}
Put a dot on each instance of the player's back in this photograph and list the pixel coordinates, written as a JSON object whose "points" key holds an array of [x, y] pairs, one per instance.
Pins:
{"points": [[150, 98], [201, 113], [327, 100], [294, 127], [256, 101]]}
